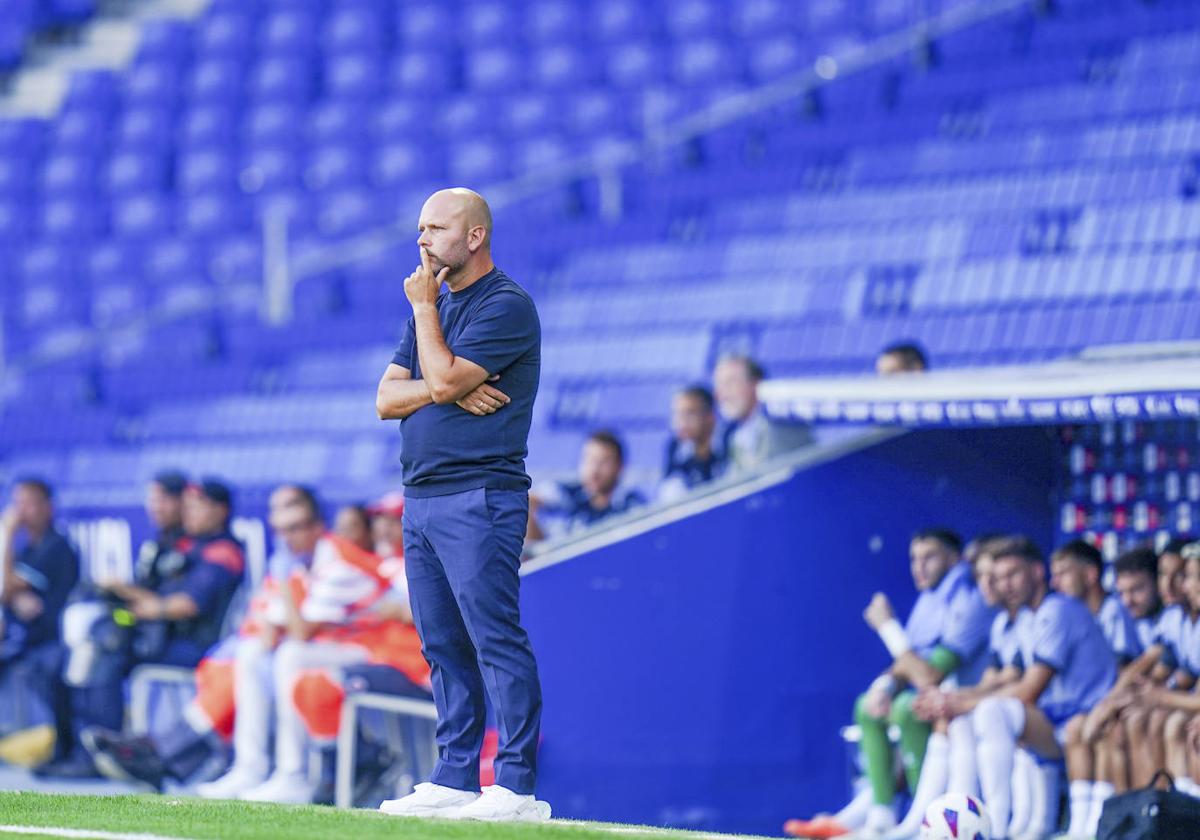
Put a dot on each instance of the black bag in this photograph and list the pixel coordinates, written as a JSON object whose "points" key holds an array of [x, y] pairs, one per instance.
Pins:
{"points": [[1151, 814]]}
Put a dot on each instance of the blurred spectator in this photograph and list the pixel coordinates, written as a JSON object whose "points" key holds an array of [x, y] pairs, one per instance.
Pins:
{"points": [[35, 581], [557, 509], [946, 633], [749, 437], [169, 616], [178, 751], [901, 357], [692, 456], [353, 523], [387, 524]]}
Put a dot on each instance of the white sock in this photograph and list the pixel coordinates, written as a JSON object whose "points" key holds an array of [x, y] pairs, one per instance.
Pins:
{"points": [[1023, 783], [998, 722], [1081, 807], [962, 778], [1043, 816], [932, 784], [880, 818], [1101, 791], [854, 815]]}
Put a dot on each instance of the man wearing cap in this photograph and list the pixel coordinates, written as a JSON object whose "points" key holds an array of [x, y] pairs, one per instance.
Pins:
{"points": [[463, 382], [171, 615]]}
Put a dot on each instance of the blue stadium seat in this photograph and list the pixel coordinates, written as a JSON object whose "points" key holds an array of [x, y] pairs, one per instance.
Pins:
{"points": [[153, 84], [142, 216], [401, 119], [206, 169], [272, 167], [67, 173], [136, 171], [336, 167], [689, 19], [72, 219], [226, 33], [554, 22], [334, 122], [479, 161], [80, 131], [217, 81], [208, 127], [354, 78], [288, 79], [562, 67], [165, 39], [208, 214], [488, 22], [354, 30], [273, 123], [93, 89], [620, 20], [420, 24], [401, 162], [288, 32], [495, 68], [635, 64], [422, 71], [147, 130]]}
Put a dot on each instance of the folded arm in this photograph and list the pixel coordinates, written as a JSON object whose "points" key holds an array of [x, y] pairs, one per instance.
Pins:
{"points": [[448, 377], [399, 395]]}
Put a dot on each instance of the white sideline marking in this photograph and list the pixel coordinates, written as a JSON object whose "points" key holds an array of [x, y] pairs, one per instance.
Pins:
{"points": [[675, 833], [81, 834]]}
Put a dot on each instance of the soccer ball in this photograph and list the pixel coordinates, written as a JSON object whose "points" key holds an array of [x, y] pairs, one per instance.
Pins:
{"points": [[956, 816]]}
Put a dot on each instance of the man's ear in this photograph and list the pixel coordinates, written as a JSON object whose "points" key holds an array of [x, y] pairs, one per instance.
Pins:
{"points": [[476, 237]]}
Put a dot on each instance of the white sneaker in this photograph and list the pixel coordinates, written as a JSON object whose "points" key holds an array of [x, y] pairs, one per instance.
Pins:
{"points": [[231, 785], [284, 788], [499, 804], [430, 800]]}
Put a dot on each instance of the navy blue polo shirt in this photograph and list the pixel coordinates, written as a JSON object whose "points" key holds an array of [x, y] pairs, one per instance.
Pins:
{"points": [[446, 449]]}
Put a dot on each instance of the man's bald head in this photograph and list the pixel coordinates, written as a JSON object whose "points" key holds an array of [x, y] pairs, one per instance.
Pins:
{"points": [[456, 233], [472, 205]]}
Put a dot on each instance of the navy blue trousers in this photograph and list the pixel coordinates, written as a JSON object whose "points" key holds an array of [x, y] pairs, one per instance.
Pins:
{"points": [[461, 556]]}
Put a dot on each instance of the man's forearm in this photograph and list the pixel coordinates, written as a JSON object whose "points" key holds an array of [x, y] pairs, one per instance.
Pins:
{"points": [[438, 365], [398, 398], [916, 671]]}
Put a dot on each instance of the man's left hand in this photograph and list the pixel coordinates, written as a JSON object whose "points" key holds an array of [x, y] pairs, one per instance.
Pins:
{"points": [[422, 286]]}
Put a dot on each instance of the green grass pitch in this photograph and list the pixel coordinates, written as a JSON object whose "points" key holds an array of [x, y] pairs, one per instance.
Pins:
{"points": [[182, 818]]}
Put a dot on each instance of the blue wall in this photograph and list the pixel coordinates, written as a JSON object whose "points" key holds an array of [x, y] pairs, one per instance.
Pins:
{"points": [[697, 675]]}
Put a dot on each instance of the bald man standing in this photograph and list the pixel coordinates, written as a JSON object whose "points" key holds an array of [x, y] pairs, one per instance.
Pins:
{"points": [[463, 383]]}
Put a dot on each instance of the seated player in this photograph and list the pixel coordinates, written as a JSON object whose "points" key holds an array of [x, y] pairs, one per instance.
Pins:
{"points": [[1134, 733], [1068, 669], [946, 633], [170, 615], [1182, 703], [36, 578], [949, 763], [562, 507], [1076, 570]]}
